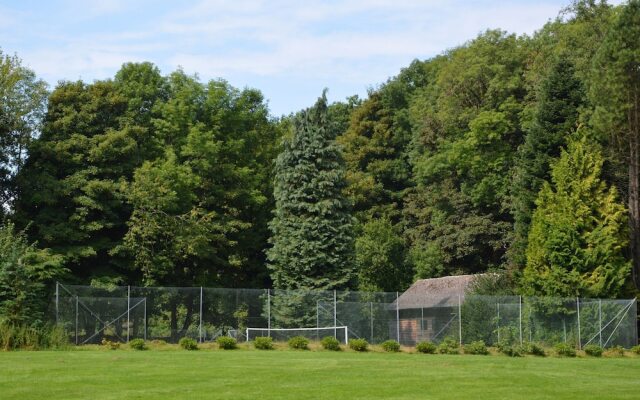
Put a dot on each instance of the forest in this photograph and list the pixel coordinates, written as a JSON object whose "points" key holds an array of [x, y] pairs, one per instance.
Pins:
{"points": [[517, 155]]}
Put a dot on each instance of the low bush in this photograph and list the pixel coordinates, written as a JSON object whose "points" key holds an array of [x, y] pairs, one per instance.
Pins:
{"points": [[226, 343], [477, 347], [330, 343], [298, 343], [534, 349], [188, 344], [426, 348], [564, 350], [360, 345], [593, 350], [449, 346], [138, 344], [510, 350], [616, 351], [158, 342], [263, 343], [391, 346], [110, 345], [636, 349]]}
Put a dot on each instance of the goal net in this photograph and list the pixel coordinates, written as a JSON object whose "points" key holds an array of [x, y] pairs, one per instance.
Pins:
{"points": [[283, 334]]}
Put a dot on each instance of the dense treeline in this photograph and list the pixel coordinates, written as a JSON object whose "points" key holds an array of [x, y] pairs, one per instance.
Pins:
{"points": [[508, 153]]}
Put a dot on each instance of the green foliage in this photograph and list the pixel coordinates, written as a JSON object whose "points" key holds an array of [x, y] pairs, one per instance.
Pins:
{"points": [[510, 350], [111, 345], [27, 337], [614, 92], [534, 349], [330, 343], [615, 351], [312, 226], [188, 344], [22, 106], [359, 345], [26, 275], [298, 343], [635, 349], [555, 116], [426, 347], [449, 345], [478, 347], [380, 257], [593, 350], [263, 343], [226, 343], [578, 232], [390, 346], [138, 344], [564, 350]]}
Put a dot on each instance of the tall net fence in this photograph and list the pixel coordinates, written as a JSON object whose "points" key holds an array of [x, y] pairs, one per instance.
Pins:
{"points": [[92, 314]]}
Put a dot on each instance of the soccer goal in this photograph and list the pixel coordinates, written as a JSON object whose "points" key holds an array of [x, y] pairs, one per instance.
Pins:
{"points": [[283, 334]]}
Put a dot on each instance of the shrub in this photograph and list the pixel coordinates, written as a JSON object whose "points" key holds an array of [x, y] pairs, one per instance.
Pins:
{"points": [[138, 344], [449, 346], [593, 350], [426, 348], [510, 350], [226, 343], [158, 342], [358, 345], [564, 350], [110, 345], [636, 349], [534, 349], [330, 343], [299, 343], [616, 351], [477, 347], [263, 343], [188, 344], [391, 346]]}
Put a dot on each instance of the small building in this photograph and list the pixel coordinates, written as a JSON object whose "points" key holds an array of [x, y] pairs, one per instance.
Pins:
{"points": [[428, 310]]}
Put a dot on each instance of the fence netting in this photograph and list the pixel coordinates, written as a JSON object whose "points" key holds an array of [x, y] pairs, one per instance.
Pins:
{"points": [[91, 314]]}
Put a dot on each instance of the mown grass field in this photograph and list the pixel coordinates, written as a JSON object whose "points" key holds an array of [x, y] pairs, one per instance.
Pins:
{"points": [[244, 374]]}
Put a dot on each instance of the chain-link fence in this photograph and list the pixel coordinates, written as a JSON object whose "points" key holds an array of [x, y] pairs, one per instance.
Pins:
{"points": [[90, 314]]}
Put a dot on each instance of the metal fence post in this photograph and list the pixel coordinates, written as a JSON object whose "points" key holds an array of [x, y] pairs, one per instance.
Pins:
{"points": [[600, 319], [57, 303], [268, 313], [145, 318], [498, 321], [398, 316], [128, 310], [520, 318], [200, 326], [76, 320], [335, 314], [578, 309], [460, 319], [371, 320]]}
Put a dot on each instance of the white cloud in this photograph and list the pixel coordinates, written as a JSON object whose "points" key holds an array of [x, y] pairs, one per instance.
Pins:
{"points": [[350, 42]]}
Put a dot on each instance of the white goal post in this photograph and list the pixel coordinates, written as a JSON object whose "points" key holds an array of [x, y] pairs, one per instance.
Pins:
{"points": [[339, 332]]}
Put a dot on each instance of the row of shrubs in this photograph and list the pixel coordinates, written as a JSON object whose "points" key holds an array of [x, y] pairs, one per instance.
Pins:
{"points": [[447, 346]]}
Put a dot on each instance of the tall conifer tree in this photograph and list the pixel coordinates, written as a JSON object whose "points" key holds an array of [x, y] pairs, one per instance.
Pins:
{"points": [[312, 227]]}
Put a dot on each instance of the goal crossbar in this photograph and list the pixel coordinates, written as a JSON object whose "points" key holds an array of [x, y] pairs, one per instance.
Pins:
{"points": [[332, 329]]}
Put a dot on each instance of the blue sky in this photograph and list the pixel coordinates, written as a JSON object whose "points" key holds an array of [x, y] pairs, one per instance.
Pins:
{"points": [[290, 50]]}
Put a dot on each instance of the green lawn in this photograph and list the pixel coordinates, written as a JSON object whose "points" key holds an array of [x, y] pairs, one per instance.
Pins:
{"points": [[242, 374]]}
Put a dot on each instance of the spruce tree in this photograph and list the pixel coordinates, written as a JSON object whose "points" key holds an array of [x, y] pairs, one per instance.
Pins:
{"points": [[311, 230], [555, 117]]}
